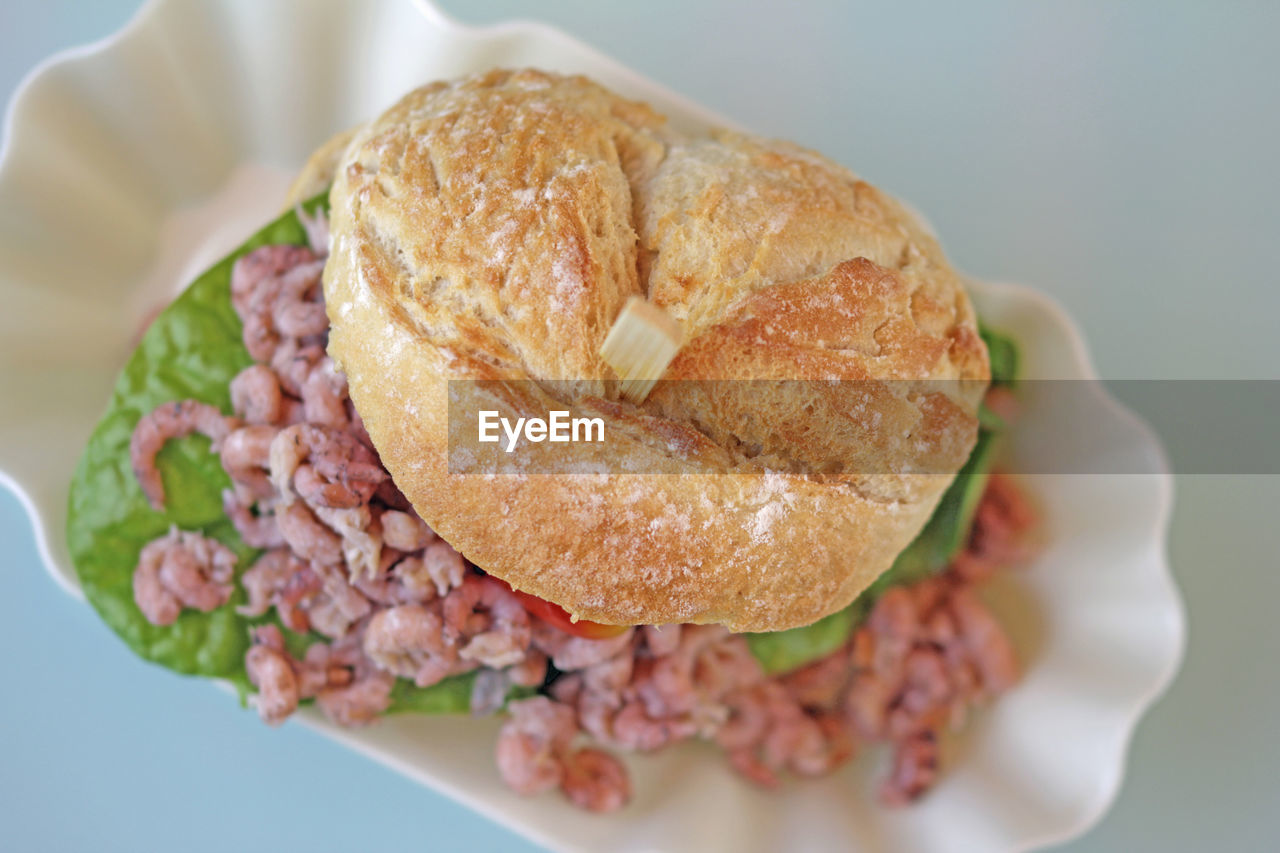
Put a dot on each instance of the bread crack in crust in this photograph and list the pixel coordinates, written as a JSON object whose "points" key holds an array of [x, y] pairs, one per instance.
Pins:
{"points": [[493, 227]]}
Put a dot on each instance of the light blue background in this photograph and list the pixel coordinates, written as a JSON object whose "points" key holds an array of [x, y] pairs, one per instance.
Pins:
{"points": [[1121, 157]]}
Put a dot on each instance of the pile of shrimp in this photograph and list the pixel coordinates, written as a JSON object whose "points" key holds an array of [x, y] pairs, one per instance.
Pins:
{"points": [[344, 555]]}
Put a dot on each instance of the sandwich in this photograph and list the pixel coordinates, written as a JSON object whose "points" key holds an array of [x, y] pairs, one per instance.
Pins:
{"points": [[771, 540]]}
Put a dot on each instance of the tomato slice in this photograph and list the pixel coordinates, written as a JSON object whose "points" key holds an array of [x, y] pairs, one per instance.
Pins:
{"points": [[556, 615]]}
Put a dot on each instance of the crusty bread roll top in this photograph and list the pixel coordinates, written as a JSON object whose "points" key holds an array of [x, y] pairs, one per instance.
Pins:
{"points": [[493, 227]]}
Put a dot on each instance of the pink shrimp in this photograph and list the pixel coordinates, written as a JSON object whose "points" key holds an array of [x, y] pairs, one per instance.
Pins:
{"points": [[257, 531], [261, 268], [279, 579], [821, 684], [532, 744], [298, 309], [596, 781], [409, 641], [182, 569], [915, 769], [443, 565], [411, 578], [359, 702], [272, 672], [337, 587], [364, 690], [531, 671], [491, 618], [746, 762], [670, 687], [893, 623], [987, 643], [168, 421], [634, 729], [569, 652], [747, 723], [405, 531], [724, 665], [293, 363], [609, 676], [400, 583], [326, 466], [661, 639], [795, 741], [867, 704], [324, 396], [256, 396], [309, 539], [245, 456], [999, 534]]}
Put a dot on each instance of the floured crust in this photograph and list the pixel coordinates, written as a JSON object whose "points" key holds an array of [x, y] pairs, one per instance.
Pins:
{"points": [[492, 228]]}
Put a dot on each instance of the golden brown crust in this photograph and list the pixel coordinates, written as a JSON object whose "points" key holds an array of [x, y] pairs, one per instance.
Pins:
{"points": [[492, 227]]}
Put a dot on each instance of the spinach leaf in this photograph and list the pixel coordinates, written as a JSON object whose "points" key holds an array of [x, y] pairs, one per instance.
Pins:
{"points": [[191, 350]]}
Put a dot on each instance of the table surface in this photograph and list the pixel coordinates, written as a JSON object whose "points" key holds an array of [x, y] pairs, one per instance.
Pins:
{"points": [[1119, 158]]}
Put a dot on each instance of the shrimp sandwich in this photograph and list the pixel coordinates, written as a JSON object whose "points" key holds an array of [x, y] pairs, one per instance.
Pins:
{"points": [[493, 228], [772, 542]]}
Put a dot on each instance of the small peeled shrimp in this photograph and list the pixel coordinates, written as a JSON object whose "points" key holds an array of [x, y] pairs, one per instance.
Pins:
{"points": [[358, 695], [324, 396], [245, 456], [894, 624], [498, 640], [293, 363], [182, 569], [569, 652], [821, 684], [669, 686], [272, 672], [257, 531], [167, 421], [796, 741], [409, 641], [255, 395], [303, 532], [634, 729], [405, 532], [443, 565], [256, 281], [533, 742], [988, 645], [279, 579], [915, 769], [361, 549], [610, 676], [596, 781], [410, 576], [531, 671], [255, 276], [661, 639], [747, 723], [298, 311], [324, 466]]}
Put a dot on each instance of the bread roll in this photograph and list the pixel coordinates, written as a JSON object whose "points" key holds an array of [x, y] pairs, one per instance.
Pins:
{"points": [[492, 228]]}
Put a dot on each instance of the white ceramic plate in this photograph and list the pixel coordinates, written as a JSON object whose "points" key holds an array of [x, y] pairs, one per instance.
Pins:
{"points": [[132, 163]]}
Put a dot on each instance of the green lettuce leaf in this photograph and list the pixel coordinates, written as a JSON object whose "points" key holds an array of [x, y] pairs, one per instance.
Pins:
{"points": [[191, 350], [941, 539]]}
